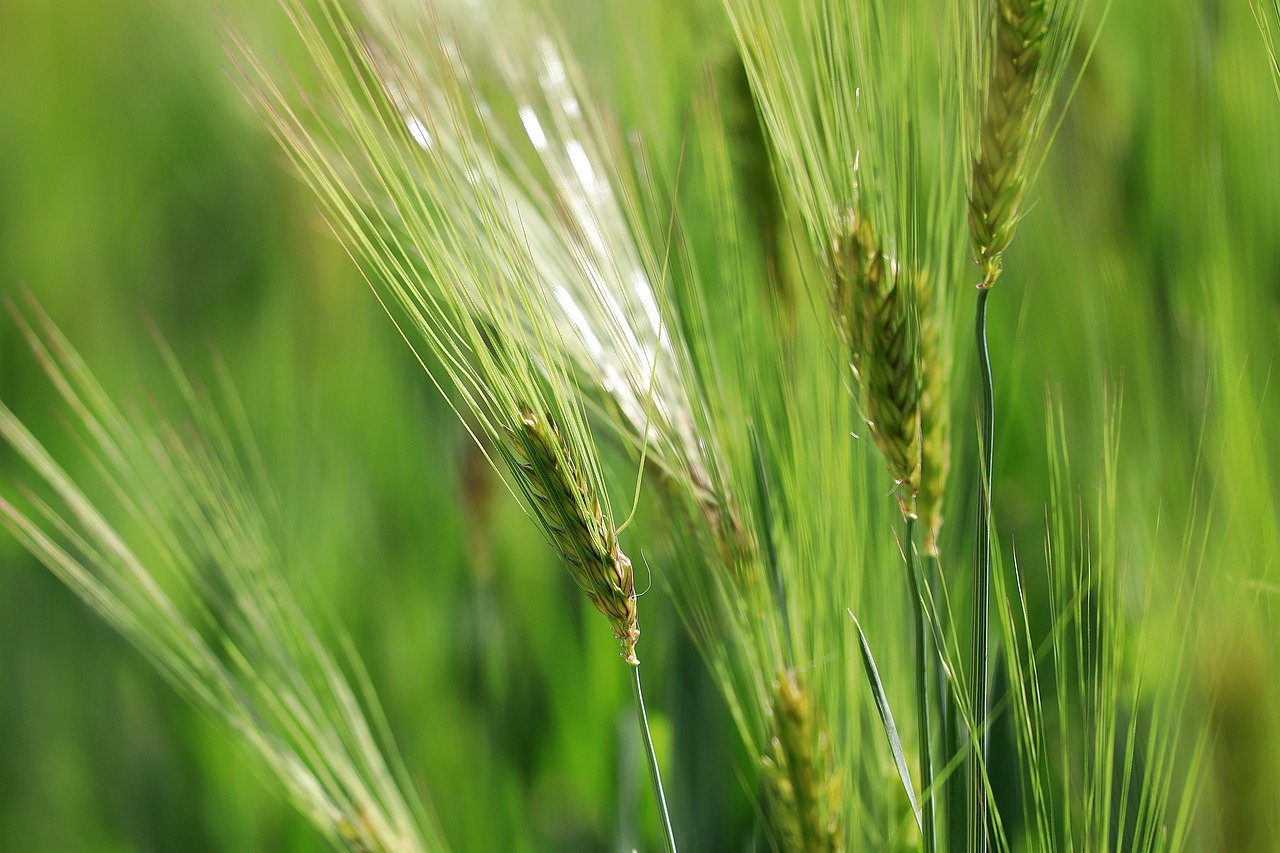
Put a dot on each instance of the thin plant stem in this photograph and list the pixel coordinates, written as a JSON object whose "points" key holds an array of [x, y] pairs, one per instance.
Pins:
{"points": [[923, 646], [668, 836], [950, 792], [982, 585]]}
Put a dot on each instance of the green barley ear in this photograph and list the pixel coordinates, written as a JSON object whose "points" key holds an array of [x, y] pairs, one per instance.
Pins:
{"points": [[874, 303], [844, 91], [520, 273], [802, 797], [935, 419], [1027, 57], [570, 511], [999, 179]]}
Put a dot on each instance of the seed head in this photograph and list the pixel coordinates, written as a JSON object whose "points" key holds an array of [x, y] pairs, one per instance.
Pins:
{"points": [[1000, 171], [935, 421], [874, 305], [570, 513], [802, 792]]}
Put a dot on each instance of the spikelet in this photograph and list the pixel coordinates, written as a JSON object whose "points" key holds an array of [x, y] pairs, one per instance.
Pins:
{"points": [[873, 302], [935, 420], [571, 514], [801, 793], [1000, 170]]}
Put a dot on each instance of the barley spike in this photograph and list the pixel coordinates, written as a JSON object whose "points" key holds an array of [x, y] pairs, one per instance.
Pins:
{"points": [[802, 794], [935, 424], [579, 529], [873, 303], [999, 177]]}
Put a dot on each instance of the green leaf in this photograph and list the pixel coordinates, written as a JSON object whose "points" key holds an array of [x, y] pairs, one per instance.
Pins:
{"points": [[886, 718]]}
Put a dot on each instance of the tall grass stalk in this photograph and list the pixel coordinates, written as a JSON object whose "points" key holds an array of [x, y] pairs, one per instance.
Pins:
{"points": [[651, 757], [981, 660], [1026, 44], [924, 711]]}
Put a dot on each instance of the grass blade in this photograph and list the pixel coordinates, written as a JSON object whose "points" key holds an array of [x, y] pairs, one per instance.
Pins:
{"points": [[886, 718]]}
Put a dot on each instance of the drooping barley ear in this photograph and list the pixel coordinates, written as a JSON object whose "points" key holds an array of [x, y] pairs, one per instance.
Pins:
{"points": [[1001, 168], [802, 793], [874, 304], [935, 418], [582, 533]]}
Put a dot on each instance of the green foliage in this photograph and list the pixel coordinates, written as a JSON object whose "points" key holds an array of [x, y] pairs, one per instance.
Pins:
{"points": [[624, 223]]}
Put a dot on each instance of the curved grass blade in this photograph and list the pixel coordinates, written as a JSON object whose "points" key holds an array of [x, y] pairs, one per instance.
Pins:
{"points": [[886, 717]]}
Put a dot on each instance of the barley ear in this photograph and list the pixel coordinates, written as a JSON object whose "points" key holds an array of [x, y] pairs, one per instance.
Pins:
{"points": [[801, 793], [572, 515], [935, 419], [1000, 171], [873, 302]]}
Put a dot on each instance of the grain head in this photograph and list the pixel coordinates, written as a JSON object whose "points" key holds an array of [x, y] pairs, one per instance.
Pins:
{"points": [[874, 305], [571, 513], [802, 793]]}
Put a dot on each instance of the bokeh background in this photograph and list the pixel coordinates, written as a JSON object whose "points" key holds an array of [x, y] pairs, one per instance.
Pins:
{"points": [[137, 189]]}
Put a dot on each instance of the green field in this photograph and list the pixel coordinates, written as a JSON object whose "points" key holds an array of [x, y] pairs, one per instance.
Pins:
{"points": [[146, 208]]}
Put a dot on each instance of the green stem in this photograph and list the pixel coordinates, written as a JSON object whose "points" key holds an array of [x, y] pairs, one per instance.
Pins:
{"points": [[668, 836], [922, 688], [950, 793], [982, 586]]}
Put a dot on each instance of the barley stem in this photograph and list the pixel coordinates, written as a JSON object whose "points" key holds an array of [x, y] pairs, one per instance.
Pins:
{"points": [[982, 585], [950, 792], [668, 836], [922, 687]]}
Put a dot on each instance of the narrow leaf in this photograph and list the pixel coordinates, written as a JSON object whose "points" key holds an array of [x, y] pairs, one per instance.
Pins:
{"points": [[886, 717]]}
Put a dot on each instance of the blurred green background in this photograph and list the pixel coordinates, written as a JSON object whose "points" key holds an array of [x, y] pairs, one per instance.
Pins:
{"points": [[136, 184]]}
